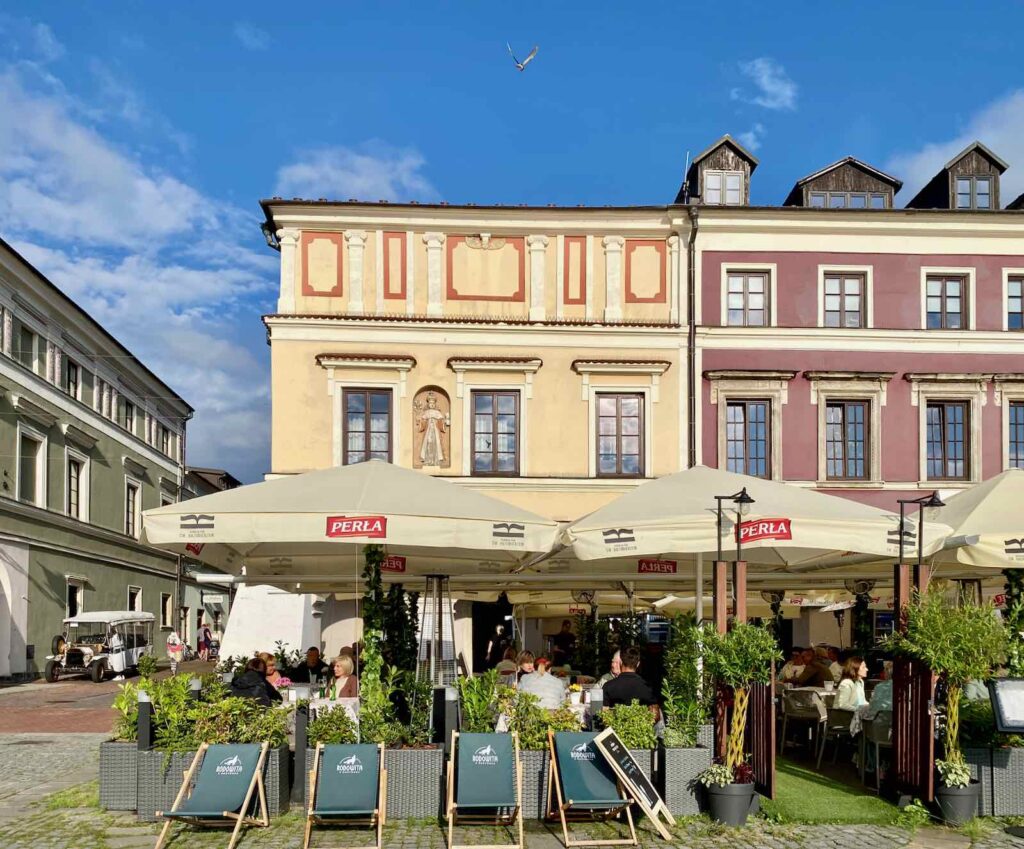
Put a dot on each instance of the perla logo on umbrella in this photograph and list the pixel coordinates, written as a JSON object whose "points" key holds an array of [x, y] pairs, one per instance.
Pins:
{"points": [[764, 529], [350, 765], [581, 752], [485, 755], [508, 535], [230, 766], [371, 527], [619, 539]]}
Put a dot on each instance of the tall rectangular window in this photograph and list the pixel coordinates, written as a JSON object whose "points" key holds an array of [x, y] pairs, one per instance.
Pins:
{"points": [[72, 379], [1016, 435], [947, 429], [75, 596], [128, 417], [366, 427], [723, 188], [165, 440], [25, 349], [131, 509], [945, 303], [747, 438], [747, 299], [74, 488], [846, 440], [495, 433], [1015, 303], [620, 435], [31, 469], [166, 611], [973, 192], [844, 300], [135, 599]]}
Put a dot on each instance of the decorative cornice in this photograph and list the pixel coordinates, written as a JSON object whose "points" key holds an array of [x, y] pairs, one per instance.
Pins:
{"points": [[749, 374], [133, 467], [81, 438], [947, 377], [30, 410], [602, 366], [388, 361], [527, 366], [872, 376]]}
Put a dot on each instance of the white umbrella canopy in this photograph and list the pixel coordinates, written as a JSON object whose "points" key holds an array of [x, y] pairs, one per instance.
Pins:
{"points": [[317, 524], [786, 525], [987, 524]]}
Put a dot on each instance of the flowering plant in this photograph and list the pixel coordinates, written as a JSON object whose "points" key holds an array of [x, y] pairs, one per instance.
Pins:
{"points": [[283, 682], [575, 688]]}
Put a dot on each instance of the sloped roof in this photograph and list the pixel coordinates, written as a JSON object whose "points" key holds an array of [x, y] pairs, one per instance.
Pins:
{"points": [[1018, 203], [988, 154], [858, 163], [727, 139]]}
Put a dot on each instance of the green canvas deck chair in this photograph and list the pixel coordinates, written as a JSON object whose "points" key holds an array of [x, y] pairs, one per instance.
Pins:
{"points": [[347, 786], [229, 775], [485, 784], [582, 787]]}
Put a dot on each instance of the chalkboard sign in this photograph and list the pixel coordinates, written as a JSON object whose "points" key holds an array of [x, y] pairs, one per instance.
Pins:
{"points": [[1008, 704], [637, 784]]}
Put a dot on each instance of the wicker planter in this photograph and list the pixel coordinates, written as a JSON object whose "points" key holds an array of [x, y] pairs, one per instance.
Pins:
{"points": [[980, 762], [119, 776], [1007, 789], [706, 737], [676, 778], [160, 778], [415, 782]]}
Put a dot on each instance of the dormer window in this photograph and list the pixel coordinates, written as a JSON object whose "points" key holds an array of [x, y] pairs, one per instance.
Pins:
{"points": [[723, 188], [973, 192], [849, 200]]}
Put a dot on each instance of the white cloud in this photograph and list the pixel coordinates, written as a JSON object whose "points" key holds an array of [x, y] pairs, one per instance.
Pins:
{"points": [[751, 139], [46, 43], [178, 276], [375, 172], [775, 89], [252, 37], [999, 126]]}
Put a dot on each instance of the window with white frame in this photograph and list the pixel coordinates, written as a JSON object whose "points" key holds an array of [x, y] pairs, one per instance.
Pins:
{"points": [[749, 432], [747, 299], [845, 300], [495, 432], [946, 302], [1015, 303], [76, 485], [620, 434], [128, 416], [132, 506], [134, 599], [74, 597], [748, 437], [31, 466], [1015, 435], [366, 426], [847, 434], [948, 444], [973, 192], [723, 188], [26, 348], [73, 380], [849, 200], [849, 408], [166, 442], [166, 611]]}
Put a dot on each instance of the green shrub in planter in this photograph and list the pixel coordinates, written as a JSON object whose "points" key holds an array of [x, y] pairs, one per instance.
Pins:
{"points": [[686, 695], [633, 723], [332, 727], [478, 697], [147, 666], [532, 722]]}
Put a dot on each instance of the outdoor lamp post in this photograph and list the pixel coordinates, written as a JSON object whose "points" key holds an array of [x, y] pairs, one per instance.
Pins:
{"points": [[742, 500], [932, 500]]}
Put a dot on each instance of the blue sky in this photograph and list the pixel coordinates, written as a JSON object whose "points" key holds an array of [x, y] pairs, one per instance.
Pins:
{"points": [[136, 139]]}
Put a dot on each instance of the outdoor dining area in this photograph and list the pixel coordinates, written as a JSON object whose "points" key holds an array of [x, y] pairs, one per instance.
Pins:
{"points": [[659, 654]]}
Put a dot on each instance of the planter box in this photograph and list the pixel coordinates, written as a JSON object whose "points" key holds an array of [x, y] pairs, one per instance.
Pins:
{"points": [[980, 762], [1007, 787], [160, 779], [535, 778], [706, 737], [676, 778], [415, 782], [119, 776]]}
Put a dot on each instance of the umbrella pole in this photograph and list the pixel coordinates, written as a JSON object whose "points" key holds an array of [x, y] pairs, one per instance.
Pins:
{"points": [[698, 608]]}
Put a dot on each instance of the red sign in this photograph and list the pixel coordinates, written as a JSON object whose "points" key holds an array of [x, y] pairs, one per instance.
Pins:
{"points": [[371, 527], [656, 567], [393, 563], [764, 529], [195, 548], [578, 611]]}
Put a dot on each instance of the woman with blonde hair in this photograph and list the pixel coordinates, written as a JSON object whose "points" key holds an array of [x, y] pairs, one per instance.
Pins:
{"points": [[344, 684], [274, 675]]}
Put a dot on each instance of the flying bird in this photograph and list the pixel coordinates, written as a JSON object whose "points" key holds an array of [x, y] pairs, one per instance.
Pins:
{"points": [[521, 65]]}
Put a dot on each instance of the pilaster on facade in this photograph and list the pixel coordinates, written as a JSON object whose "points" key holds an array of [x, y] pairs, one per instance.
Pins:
{"points": [[674, 276], [105, 401], [378, 270], [356, 240], [613, 246], [435, 254], [538, 246], [50, 357], [288, 240], [8, 332]]}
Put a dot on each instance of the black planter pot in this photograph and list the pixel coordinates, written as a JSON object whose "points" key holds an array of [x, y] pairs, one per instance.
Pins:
{"points": [[958, 805], [730, 804]]}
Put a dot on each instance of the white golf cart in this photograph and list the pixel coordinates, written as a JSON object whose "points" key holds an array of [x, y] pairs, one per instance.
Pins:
{"points": [[95, 643]]}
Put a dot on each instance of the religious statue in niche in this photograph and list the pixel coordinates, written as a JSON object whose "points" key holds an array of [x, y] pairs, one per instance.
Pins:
{"points": [[432, 428]]}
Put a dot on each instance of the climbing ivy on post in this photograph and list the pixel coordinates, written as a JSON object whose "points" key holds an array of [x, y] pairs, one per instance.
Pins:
{"points": [[863, 624], [373, 592], [1013, 616]]}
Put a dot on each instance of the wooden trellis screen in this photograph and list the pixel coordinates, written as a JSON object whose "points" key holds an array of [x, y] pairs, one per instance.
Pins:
{"points": [[913, 730]]}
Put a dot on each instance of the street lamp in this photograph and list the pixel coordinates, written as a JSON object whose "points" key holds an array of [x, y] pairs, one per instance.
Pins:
{"points": [[741, 499], [932, 500]]}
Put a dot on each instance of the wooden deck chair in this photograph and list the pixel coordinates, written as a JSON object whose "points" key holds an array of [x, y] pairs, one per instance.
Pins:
{"points": [[228, 776], [347, 786], [485, 784], [584, 786]]}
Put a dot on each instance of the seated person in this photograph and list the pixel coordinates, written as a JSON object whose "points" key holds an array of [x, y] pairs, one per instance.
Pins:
{"points": [[549, 690], [628, 686], [817, 669], [881, 696], [344, 684], [526, 663], [274, 675], [253, 684], [793, 667], [313, 668], [616, 668], [507, 665], [851, 688], [834, 664]]}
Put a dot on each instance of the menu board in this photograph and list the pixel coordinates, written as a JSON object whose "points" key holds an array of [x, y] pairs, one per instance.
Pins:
{"points": [[637, 784], [1008, 704]]}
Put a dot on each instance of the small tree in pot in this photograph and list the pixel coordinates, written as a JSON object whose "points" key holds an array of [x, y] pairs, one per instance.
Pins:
{"points": [[958, 643], [738, 659]]}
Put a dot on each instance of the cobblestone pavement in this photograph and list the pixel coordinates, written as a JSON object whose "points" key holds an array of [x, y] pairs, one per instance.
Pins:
{"points": [[33, 766]]}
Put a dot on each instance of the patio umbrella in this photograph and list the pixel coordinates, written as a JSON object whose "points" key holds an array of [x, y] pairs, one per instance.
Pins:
{"points": [[787, 525], [316, 525], [987, 524]]}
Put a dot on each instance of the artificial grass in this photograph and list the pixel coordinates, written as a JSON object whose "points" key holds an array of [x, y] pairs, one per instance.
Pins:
{"points": [[803, 795]]}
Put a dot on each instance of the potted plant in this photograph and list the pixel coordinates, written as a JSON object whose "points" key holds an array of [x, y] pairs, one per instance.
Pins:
{"points": [[478, 702], [119, 756], [958, 643], [738, 659]]}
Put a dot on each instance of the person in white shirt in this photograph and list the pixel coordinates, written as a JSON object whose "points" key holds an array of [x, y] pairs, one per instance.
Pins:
{"points": [[851, 688], [833, 664], [616, 665], [549, 690], [793, 667]]}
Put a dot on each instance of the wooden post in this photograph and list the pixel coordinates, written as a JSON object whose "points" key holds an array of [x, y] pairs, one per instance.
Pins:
{"points": [[719, 597], [920, 578], [739, 590], [901, 593]]}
